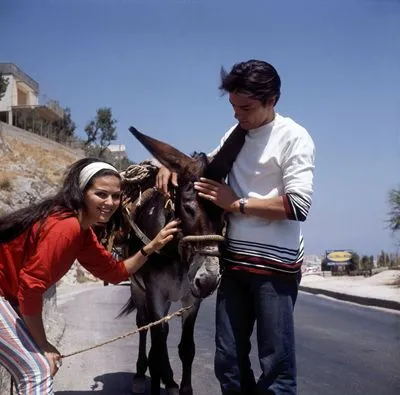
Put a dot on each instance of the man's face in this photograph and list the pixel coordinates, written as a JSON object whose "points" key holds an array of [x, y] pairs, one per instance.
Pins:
{"points": [[251, 113]]}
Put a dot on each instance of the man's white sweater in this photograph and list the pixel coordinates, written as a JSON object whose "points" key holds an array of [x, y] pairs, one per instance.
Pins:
{"points": [[277, 159]]}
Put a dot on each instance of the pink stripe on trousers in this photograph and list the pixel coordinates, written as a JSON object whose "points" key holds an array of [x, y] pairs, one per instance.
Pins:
{"points": [[20, 355]]}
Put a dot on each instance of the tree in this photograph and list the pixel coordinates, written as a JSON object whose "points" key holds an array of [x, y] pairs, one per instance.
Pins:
{"points": [[3, 85], [365, 263], [101, 131], [372, 260], [65, 127], [394, 214], [381, 259], [324, 265], [355, 262]]}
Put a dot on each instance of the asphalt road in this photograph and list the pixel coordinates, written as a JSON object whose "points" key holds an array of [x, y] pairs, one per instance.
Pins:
{"points": [[342, 348]]}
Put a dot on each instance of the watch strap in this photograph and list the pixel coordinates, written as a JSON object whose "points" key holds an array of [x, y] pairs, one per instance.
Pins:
{"points": [[242, 205]]}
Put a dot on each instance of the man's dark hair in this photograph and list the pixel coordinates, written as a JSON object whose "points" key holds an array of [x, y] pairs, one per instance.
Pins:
{"points": [[255, 78]]}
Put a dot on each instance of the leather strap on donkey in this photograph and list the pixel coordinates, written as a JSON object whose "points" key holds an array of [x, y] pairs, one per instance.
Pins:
{"points": [[129, 212]]}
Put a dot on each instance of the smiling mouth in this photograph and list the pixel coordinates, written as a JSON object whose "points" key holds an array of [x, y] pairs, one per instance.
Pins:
{"points": [[105, 212]]}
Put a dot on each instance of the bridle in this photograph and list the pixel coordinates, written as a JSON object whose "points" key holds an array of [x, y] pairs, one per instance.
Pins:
{"points": [[198, 243]]}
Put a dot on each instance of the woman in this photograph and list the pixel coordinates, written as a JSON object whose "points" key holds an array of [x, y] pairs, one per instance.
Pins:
{"points": [[38, 245]]}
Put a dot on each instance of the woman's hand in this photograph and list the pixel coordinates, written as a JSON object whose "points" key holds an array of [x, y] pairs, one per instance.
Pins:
{"points": [[35, 326], [53, 356], [220, 194], [165, 235], [164, 175]]}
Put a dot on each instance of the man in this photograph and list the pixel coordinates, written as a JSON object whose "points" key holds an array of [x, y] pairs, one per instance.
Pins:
{"points": [[268, 194]]}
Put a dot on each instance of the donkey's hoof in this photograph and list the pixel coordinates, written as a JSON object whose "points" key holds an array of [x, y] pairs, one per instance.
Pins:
{"points": [[173, 391], [139, 385]]}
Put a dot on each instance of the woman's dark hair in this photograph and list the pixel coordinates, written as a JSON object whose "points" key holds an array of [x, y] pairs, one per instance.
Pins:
{"points": [[255, 78], [66, 203]]}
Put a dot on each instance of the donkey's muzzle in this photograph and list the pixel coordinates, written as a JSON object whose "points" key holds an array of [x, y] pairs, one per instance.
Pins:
{"points": [[209, 250]]}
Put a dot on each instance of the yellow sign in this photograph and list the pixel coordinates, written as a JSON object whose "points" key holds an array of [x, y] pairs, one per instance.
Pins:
{"points": [[339, 256]]}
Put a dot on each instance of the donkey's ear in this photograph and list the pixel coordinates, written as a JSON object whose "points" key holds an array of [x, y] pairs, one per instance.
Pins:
{"points": [[167, 155]]}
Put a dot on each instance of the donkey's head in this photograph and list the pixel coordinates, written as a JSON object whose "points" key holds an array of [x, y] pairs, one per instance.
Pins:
{"points": [[201, 221]]}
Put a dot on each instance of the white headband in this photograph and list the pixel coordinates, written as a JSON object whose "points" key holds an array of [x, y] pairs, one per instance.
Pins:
{"points": [[90, 170]]}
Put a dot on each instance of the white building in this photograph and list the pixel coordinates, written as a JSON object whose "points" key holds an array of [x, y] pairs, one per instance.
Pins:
{"points": [[21, 99], [118, 151]]}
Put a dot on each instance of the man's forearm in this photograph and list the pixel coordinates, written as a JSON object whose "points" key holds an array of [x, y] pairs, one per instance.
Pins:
{"points": [[271, 209]]}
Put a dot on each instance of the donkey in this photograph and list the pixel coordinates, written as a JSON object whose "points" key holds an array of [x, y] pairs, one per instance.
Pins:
{"points": [[185, 270]]}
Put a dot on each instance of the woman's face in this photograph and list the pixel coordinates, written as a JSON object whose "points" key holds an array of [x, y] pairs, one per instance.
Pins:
{"points": [[102, 198]]}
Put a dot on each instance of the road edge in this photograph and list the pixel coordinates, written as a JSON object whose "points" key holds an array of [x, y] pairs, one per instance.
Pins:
{"points": [[387, 304]]}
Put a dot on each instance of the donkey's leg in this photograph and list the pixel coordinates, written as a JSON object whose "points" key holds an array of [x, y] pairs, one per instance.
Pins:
{"points": [[159, 365], [186, 346], [139, 380]]}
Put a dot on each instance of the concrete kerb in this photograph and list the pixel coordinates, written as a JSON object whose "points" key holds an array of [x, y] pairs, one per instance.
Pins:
{"points": [[387, 304]]}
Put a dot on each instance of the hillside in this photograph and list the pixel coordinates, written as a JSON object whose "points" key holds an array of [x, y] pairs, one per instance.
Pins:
{"points": [[30, 169]]}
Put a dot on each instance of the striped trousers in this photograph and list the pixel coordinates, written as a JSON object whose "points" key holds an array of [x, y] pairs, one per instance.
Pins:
{"points": [[20, 355]]}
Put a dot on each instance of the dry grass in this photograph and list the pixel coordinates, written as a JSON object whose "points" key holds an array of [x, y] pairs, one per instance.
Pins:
{"points": [[5, 184], [47, 164]]}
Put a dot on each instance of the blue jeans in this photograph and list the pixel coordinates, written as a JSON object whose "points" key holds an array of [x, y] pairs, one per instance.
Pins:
{"points": [[243, 299]]}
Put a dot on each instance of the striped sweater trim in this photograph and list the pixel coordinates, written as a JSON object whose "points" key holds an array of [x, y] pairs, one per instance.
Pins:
{"points": [[258, 264], [296, 206], [274, 258], [266, 251], [264, 272], [281, 254], [256, 256]]}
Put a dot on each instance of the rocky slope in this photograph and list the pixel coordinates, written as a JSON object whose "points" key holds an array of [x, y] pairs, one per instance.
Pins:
{"points": [[29, 172]]}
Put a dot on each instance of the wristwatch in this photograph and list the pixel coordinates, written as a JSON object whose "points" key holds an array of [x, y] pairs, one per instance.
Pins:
{"points": [[242, 205]]}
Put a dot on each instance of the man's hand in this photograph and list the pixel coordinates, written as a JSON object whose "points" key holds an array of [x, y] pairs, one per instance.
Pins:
{"points": [[220, 194], [164, 175]]}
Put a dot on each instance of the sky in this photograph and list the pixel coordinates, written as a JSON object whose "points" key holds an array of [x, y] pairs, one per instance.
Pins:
{"points": [[156, 64]]}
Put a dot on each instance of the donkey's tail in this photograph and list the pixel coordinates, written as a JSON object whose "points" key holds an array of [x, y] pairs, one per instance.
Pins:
{"points": [[128, 308]]}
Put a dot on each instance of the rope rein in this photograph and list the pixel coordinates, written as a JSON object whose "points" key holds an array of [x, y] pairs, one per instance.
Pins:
{"points": [[137, 330], [190, 238], [177, 313]]}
